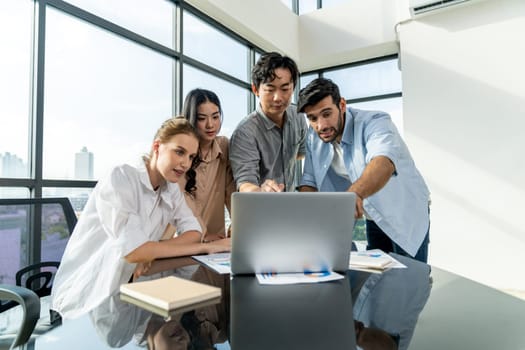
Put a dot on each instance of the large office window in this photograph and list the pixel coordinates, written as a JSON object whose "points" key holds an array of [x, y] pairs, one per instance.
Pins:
{"points": [[86, 83], [15, 88], [153, 19], [89, 84], [207, 44], [367, 80], [105, 96]]}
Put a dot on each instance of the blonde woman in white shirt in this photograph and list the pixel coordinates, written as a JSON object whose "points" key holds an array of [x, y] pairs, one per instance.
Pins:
{"points": [[124, 219]]}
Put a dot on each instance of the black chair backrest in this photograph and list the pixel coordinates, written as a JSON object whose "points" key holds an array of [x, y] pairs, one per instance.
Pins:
{"points": [[38, 280], [34, 232], [31, 310]]}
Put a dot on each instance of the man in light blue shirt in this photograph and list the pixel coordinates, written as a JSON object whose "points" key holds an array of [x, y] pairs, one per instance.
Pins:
{"points": [[361, 151]]}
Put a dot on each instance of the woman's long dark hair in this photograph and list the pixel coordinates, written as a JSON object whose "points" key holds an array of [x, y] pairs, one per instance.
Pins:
{"points": [[190, 110]]}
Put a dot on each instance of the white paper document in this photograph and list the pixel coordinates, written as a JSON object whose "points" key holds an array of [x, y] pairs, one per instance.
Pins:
{"points": [[296, 278], [219, 262], [374, 260]]}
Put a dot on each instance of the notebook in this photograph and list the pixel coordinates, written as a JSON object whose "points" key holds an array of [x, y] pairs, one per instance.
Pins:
{"points": [[313, 316], [169, 295], [291, 231]]}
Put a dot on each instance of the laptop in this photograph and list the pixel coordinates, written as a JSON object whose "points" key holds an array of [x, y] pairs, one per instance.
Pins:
{"points": [[290, 232], [313, 316]]}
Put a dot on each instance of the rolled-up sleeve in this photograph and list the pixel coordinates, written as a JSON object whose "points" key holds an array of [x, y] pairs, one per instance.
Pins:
{"points": [[303, 127], [382, 139], [244, 157], [308, 178]]}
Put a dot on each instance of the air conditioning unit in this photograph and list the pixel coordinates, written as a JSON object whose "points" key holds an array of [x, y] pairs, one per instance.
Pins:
{"points": [[419, 7]]}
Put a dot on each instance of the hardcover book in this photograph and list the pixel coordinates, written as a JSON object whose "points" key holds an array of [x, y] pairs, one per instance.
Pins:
{"points": [[169, 295]]}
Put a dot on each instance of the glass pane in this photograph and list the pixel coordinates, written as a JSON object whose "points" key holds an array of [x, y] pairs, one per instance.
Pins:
{"points": [[154, 19], [104, 95], [17, 229], [207, 44], [307, 79], [55, 233], [77, 196], [332, 3], [368, 79], [257, 57], [234, 99], [393, 106], [14, 233], [306, 6], [15, 73], [14, 192]]}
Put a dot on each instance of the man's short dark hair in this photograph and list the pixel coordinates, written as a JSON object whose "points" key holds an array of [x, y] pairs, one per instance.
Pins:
{"points": [[264, 69], [317, 90]]}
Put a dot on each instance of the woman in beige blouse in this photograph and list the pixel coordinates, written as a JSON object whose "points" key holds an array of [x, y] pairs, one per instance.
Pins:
{"points": [[214, 183]]}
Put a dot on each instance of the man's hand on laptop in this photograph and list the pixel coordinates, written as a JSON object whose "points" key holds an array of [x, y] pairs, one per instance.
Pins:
{"points": [[271, 186]]}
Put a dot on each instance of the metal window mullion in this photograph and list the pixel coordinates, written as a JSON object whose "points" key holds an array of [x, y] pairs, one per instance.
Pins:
{"points": [[37, 132], [295, 6], [374, 97], [176, 78], [250, 97]]}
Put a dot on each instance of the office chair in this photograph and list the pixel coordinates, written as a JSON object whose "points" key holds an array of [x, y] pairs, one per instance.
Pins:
{"points": [[38, 280], [30, 304], [26, 225]]}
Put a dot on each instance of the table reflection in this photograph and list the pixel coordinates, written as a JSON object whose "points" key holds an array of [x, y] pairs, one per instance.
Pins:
{"points": [[300, 316], [391, 301], [363, 311]]}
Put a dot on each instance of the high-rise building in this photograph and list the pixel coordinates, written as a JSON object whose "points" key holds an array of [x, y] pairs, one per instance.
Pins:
{"points": [[84, 164], [12, 166]]}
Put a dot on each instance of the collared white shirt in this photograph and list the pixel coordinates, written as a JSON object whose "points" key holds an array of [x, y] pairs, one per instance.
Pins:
{"points": [[122, 213]]}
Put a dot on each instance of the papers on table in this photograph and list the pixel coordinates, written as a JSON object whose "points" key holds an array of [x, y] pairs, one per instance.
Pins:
{"points": [[219, 262], [374, 260], [295, 278]]}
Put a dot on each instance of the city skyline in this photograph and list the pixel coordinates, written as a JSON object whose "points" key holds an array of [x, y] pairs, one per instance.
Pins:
{"points": [[14, 166], [84, 164]]}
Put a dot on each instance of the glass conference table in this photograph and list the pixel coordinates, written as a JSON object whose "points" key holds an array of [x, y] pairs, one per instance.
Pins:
{"points": [[402, 306]]}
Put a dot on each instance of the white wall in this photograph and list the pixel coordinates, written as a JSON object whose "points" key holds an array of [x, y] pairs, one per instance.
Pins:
{"points": [[464, 114]]}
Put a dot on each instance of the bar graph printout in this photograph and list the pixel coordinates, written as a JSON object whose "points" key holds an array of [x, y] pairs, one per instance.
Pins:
{"points": [[219, 262]]}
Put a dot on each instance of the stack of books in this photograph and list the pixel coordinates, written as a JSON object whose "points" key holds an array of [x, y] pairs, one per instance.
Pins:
{"points": [[169, 295]]}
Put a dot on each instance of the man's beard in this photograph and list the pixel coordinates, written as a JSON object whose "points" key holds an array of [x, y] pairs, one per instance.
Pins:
{"points": [[337, 131]]}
